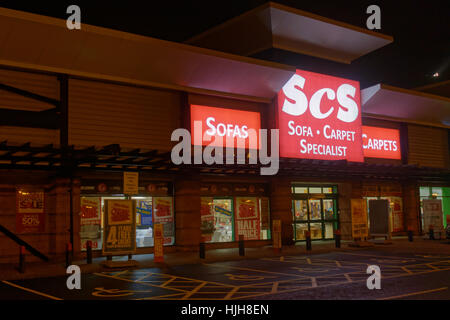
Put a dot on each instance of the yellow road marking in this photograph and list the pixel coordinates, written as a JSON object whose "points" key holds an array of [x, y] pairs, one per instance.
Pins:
{"points": [[163, 296], [340, 283], [308, 260], [373, 256], [143, 277], [414, 293], [190, 293], [406, 270], [230, 294], [250, 269], [431, 266], [338, 263], [348, 277], [168, 281], [134, 281], [197, 280], [282, 258], [275, 287], [31, 290]]}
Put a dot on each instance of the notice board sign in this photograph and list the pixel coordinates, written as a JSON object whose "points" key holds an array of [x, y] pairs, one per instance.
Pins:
{"points": [[30, 211], [359, 218], [119, 236], [131, 183], [158, 250], [432, 215], [379, 217]]}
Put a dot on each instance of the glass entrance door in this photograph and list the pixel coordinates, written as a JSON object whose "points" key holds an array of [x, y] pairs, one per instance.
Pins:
{"points": [[314, 211]]}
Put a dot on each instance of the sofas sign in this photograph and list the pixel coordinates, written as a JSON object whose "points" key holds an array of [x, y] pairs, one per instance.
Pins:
{"points": [[319, 117]]}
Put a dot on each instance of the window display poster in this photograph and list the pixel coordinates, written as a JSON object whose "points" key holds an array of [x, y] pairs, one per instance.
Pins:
{"points": [[207, 218], [163, 214], [432, 214], [397, 214], [359, 218], [144, 210], [120, 227], [30, 211], [90, 222], [247, 219]]}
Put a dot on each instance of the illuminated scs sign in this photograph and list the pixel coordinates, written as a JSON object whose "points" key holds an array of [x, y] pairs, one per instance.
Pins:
{"points": [[319, 117], [224, 127], [381, 143]]}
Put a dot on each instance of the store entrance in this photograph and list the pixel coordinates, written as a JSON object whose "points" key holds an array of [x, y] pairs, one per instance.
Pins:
{"points": [[314, 209]]}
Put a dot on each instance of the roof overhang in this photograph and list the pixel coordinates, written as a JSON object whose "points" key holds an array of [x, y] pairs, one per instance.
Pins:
{"points": [[387, 102], [42, 43], [274, 25]]}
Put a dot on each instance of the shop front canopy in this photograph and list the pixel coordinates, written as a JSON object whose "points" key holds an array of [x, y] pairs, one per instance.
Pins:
{"points": [[30, 41], [273, 25], [392, 103]]}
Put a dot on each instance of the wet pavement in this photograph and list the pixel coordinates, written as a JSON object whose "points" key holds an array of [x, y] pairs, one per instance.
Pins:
{"points": [[330, 276]]}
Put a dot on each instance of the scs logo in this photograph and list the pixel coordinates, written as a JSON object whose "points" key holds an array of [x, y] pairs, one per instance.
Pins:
{"points": [[296, 102]]}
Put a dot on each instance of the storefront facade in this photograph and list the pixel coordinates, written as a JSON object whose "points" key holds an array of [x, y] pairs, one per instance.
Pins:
{"points": [[328, 156]]}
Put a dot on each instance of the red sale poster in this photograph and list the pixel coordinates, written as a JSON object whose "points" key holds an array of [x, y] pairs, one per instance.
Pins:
{"points": [[30, 211], [247, 218]]}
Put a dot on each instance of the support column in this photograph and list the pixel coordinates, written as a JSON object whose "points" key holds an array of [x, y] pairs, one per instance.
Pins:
{"points": [[187, 214], [411, 207], [59, 217], [281, 208], [345, 214]]}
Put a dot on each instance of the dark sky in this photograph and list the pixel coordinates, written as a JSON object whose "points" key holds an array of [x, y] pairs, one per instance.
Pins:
{"points": [[421, 30]]}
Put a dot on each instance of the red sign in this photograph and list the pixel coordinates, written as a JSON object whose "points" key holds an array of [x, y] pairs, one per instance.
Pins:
{"points": [[222, 127], [247, 218], [30, 211], [319, 117], [158, 251], [381, 143]]}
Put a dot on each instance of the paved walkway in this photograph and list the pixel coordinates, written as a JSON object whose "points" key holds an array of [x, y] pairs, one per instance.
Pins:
{"points": [[41, 270]]}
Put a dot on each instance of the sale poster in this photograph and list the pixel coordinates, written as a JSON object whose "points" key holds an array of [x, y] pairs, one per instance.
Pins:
{"points": [[247, 218], [90, 222], [120, 227], [144, 213], [359, 218], [163, 213], [207, 218], [397, 214], [432, 215], [30, 211]]}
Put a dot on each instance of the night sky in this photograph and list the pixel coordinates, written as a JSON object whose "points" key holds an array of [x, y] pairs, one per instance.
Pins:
{"points": [[421, 31]]}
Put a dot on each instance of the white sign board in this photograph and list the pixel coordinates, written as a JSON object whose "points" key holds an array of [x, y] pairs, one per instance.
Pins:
{"points": [[432, 216]]}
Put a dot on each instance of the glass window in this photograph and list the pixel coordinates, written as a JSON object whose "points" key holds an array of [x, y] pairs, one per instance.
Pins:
{"points": [[316, 230], [144, 222], [91, 222], [300, 190], [163, 213], [436, 192], [424, 191], [223, 220], [247, 218], [328, 209], [315, 190], [327, 190], [299, 230], [329, 231], [301, 209], [315, 210]]}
